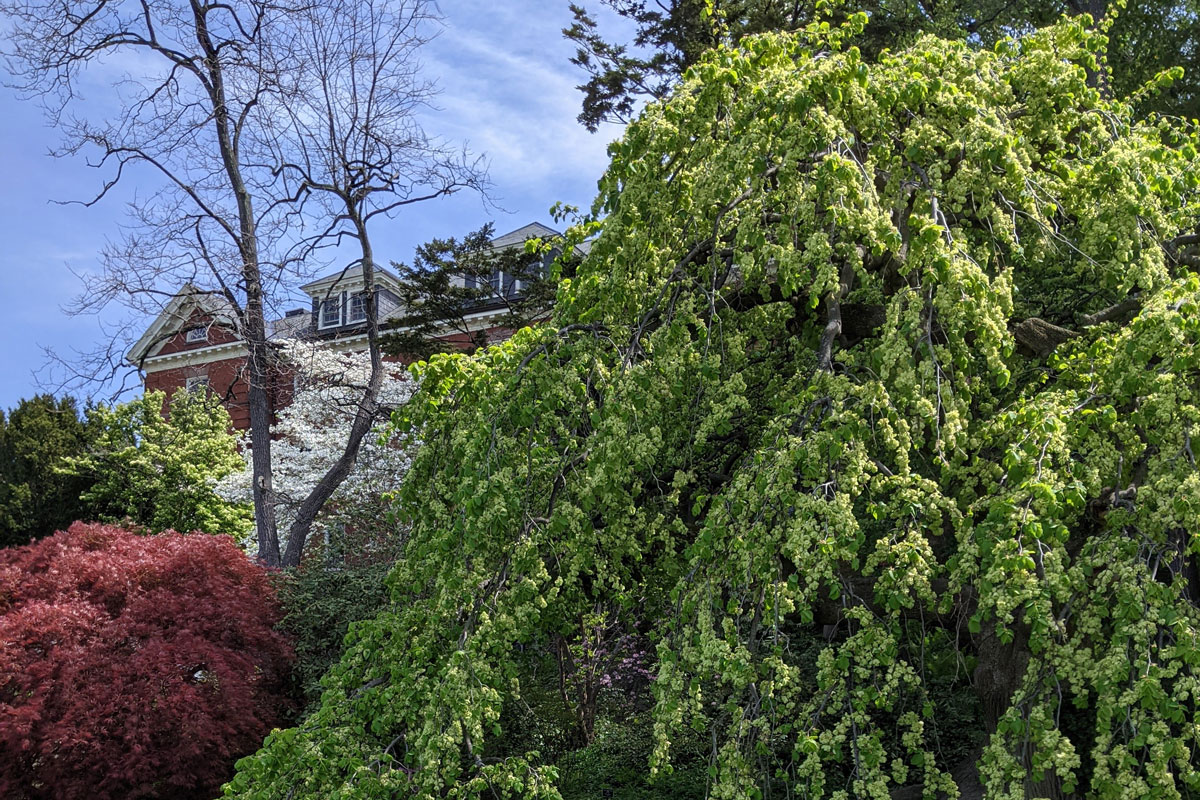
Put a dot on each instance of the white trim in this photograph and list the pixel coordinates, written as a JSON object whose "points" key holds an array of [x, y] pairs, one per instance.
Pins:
{"points": [[338, 298], [227, 350], [344, 344], [350, 280], [201, 355], [174, 316], [197, 334], [190, 384], [362, 307]]}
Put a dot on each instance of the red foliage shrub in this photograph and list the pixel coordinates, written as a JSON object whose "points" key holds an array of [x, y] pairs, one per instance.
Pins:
{"points": [[133, 666]]}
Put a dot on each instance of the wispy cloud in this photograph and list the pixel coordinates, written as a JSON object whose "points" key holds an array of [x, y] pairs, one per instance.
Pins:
{"points": [[508, 89], [514, 97]]}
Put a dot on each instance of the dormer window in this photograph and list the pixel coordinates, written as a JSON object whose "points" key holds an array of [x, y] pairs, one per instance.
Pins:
{"points": [[356, 308], [331, 312], [344, 308], [196, 335]]}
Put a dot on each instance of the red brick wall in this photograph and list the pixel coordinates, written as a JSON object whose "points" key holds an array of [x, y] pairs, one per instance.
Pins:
{"points": [[216, 335], [227, 379]]}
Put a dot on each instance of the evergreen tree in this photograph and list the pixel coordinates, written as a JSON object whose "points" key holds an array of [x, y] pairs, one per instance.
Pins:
{"points": [[36, 497], [451, 279]]}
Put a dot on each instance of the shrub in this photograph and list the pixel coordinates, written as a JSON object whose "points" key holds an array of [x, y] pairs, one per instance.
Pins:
{"points": [[161, 471], [133, 666], [614, 766], [320, 600]]}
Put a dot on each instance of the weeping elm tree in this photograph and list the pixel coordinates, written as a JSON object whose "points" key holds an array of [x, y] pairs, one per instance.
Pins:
{"points": [[878, 390]]}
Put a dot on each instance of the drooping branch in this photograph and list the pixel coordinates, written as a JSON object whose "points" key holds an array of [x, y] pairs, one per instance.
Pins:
{"points": [[1039, 336]]}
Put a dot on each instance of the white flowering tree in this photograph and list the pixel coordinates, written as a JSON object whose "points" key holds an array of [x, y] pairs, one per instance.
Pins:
{"points": [[310, 435]]}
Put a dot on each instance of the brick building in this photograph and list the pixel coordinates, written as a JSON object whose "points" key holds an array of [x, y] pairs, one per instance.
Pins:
{"points": [[194, 342]]}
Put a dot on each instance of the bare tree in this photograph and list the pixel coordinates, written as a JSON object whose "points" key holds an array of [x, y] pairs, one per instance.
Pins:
{"points": [[204, 74], [351, 143], [200, 103]]}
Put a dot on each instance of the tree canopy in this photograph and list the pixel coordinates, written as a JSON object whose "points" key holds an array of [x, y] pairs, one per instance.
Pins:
{"points": [[452, 279], [36, 497], [310, 434], [875, 399], [160, 470], [1147, 36]]}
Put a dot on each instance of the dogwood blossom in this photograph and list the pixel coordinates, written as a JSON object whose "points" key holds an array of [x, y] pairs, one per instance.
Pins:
{"points": [[310, 434]]}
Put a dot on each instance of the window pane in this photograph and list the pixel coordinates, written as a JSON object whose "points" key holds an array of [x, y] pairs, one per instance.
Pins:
{"points": [[331, 312], [357, 312]]}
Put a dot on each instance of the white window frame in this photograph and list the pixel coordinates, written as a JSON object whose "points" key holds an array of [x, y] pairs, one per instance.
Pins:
{"points": [[197, 383], [359, 299], [199, 334], [321, 304]]}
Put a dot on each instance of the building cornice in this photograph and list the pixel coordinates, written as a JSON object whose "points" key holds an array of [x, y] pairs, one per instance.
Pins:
{"points": [[222, 352], [200, 355]]}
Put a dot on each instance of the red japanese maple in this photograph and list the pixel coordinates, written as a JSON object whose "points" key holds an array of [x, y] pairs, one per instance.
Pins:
{"points": [[133, 666]]}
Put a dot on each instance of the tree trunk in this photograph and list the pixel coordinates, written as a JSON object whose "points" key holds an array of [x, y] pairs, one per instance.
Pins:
{"points": [[254, 328], [998, 675], [364, 417]]}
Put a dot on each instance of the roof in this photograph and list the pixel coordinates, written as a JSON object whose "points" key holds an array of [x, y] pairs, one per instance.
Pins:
{"points": [[349, 278], [534, 230], [178, 311]]}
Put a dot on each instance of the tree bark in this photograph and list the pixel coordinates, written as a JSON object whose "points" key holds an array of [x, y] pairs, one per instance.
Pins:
{"points": [[253, 317], [364, 417]]}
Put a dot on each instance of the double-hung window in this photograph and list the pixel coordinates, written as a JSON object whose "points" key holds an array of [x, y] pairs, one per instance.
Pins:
{"points": [[330, 312], [356, 308], [344, 308]]}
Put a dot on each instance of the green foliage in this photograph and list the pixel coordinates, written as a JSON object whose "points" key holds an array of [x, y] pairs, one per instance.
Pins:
{"points": [[614, 766], [320, 600], [160, 471], [878, 387], [37, 499], [1146, 38], [450, 280]]}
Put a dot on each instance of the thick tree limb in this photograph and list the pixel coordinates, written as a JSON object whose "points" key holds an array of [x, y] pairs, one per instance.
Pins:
{"points": [[833, 319], [1039, 336], [1127, 306]]}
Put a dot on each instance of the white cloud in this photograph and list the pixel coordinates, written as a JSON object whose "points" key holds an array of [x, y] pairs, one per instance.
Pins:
{"points": [[515, 98]]}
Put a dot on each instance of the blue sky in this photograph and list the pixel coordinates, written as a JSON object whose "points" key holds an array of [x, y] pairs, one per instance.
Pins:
{"points": [[507, 90]]}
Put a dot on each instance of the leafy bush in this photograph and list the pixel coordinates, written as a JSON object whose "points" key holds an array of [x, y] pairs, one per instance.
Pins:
{"points": [[320, 601], [615, 765], [159, 471], [133, 666]]}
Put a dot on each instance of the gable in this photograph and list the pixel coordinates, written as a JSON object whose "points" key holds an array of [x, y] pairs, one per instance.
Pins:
{"points": [[189, 308]]}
